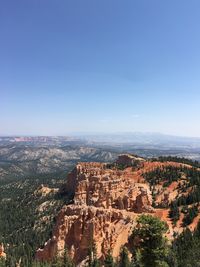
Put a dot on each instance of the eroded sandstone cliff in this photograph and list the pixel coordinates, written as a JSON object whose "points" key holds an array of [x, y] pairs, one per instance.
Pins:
{"points": [[106, 203], [79, 225]]}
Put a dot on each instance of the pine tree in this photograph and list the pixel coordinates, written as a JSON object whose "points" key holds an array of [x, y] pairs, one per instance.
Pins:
{"points": [[2, 262], [174, 213], [124, 258], [151, 245], [109, 262], [92, 253], [67, 262]]}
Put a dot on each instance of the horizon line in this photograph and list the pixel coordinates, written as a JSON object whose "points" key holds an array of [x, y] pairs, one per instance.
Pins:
{"points": [[88, 133]]}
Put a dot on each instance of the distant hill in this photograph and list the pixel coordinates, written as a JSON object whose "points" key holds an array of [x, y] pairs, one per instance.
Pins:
{"points": [[134, 138], [139, 138], [22, 156], [24, 160]]}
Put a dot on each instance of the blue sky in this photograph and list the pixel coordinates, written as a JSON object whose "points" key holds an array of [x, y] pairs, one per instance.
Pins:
{"points": [[99, 66]]}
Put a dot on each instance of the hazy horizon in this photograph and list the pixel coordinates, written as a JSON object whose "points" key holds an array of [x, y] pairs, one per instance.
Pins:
{"points": [[91, 134], [108, 66]]}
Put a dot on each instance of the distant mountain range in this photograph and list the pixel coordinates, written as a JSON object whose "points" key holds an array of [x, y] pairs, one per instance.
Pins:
{"points": [[21, 156], [139, 138], [20, 161], [134, 138]]}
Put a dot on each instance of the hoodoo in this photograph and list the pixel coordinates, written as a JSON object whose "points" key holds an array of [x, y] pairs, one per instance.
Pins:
{"points": [[107, 199]]}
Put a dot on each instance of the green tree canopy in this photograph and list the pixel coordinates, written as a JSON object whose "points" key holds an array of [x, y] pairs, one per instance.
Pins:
{"points": [[124, 258], [109, 262], [150, 245]]}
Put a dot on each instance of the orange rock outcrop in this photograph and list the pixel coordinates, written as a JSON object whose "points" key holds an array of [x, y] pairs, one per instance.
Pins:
{"points": [[106, 203], [94, 184], [79, 225], [2, 253]]}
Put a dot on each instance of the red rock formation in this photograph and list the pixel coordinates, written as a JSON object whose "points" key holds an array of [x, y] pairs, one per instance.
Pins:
{"points": [[129, 160], [103, 211], [78, 225], [143, 202], [2, 253], [106, 204], [44, 191], [94, 185]]}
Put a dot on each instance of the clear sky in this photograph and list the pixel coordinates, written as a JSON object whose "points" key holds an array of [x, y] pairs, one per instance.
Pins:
{"points": [[99, 66]]}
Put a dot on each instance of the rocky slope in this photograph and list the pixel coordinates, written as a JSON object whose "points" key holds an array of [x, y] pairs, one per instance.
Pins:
{"points": [[107, 199]]}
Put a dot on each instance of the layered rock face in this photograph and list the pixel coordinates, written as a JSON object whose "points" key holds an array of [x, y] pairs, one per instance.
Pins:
{"points": [[107, 198], [95, 185], [106, 204], [78, 226]]}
